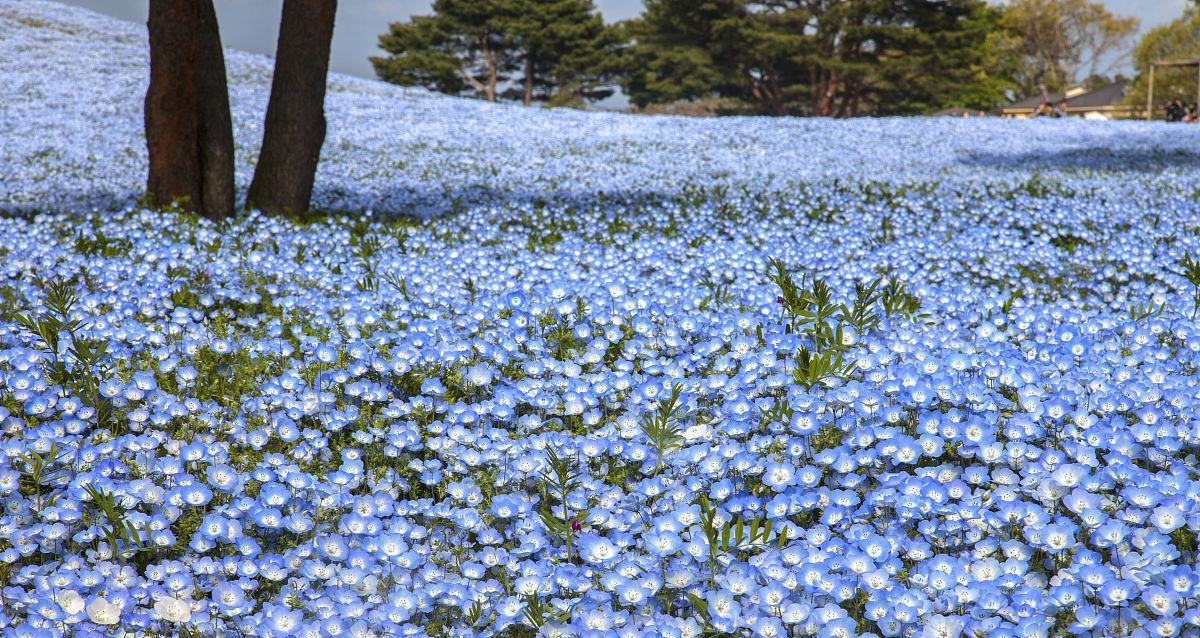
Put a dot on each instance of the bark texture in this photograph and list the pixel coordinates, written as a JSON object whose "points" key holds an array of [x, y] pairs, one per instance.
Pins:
{"points": [[189, 134], [295, 124]]}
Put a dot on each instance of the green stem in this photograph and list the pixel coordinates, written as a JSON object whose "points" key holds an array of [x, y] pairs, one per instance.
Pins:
{"points": [[570, 522]]}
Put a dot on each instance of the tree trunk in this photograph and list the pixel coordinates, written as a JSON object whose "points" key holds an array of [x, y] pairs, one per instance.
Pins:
{"points": [[492, 71], [844, 103], [814, 84], [830, 91], [189, 135], [528, 79], [295, 126], [776, 91], [752, 84]]}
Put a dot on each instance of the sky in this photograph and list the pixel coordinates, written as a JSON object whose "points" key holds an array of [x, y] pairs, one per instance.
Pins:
{"points": [[252, 25]]}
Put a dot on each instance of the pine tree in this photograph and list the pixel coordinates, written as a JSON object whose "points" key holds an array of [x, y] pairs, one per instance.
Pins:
{"points": [[461, 48], [817, 57], [567, 53], [557, 51], [942, 56], [681, 51]]}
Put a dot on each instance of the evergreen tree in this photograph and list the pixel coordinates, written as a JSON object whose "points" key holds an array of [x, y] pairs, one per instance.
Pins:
{"points": [[558, 51], [682, 50], [567, 53], [952, 56], [817, 57], [463, 47]]}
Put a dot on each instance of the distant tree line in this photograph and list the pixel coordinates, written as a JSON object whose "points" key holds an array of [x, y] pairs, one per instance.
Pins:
{"points": [[776, 57]]}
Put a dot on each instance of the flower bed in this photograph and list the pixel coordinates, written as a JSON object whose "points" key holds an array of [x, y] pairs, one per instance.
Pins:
{"points": [[869, 409], [633, 376]]}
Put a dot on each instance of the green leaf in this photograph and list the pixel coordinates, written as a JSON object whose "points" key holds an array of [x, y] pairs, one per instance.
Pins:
{"points": [[553, 523]]}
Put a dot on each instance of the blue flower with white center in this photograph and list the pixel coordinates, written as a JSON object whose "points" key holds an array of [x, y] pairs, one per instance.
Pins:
{"points": [[224, 478], [1167, 519], [370, 451], [229, 599], [778, 476], [197, 495], [283, 621]]}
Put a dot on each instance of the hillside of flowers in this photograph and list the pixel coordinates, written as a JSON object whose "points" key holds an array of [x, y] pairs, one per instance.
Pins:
{"points": [[71, 123], [563, 374]]}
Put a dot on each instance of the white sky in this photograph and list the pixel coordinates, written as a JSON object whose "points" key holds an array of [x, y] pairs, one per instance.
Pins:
{"points": [[251, 25]]}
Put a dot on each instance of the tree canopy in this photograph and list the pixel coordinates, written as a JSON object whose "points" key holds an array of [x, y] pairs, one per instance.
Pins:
{"points": [[1179, 40], [1063, 42], [533, 50], [801, 57], [817, 57], [566, 53]]}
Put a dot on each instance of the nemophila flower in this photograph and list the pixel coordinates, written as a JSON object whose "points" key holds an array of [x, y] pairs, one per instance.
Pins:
{"points": [[1180, 580], [723, 606], [938, 626], [283, 621], [102, 612], [663, 544], [1116, 592], [332, 547], [510, 607], [229, 599], [1165, 627], [197, 495], [224, 478], [478, 375], [173, 610], [1087, 619], [632, 593], [778, 476], [280, 428], [596, 549], [70, 601], [1058, 537], [1167, 519], [1160, 601]]}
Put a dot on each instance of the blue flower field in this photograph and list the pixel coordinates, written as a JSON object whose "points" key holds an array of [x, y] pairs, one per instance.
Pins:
{"points": [[565, 374]]}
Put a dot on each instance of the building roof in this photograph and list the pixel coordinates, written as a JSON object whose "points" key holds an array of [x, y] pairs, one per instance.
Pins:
{"points": [[1108, 95]]}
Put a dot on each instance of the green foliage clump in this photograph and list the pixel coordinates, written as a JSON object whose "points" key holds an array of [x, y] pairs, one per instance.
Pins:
{"points": [[555, 51], [844, 59]]}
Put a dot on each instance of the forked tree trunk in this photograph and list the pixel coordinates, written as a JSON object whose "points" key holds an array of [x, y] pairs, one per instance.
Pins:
{"points": [[492, 70], [295, 123], [189, 135]]}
